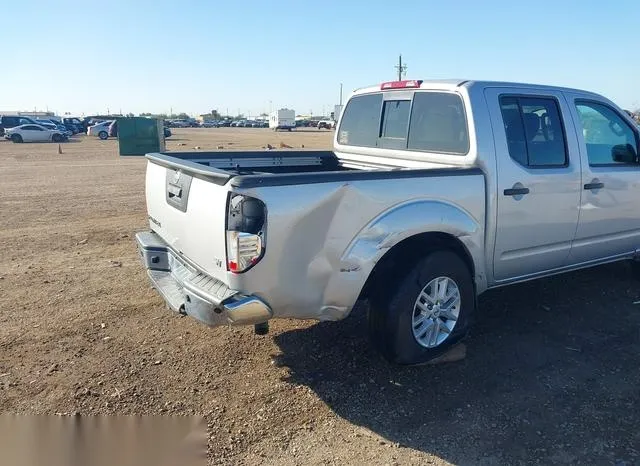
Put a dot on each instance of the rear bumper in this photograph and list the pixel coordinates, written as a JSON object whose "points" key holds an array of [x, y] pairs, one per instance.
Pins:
{"points": [[188, 290]]}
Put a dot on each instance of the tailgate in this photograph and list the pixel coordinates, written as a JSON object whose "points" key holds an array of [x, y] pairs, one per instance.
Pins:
{"points": [[189, 213]]}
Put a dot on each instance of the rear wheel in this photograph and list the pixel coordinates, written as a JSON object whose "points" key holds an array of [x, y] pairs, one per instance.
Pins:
{"points": [[57, 138], [103, 135], [16, 138], [420, 316]]}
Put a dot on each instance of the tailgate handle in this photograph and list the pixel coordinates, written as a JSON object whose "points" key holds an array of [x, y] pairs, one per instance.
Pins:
{"points": [[174, 190]]}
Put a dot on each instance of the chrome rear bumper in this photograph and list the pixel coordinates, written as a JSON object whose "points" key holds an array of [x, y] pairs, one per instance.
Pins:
{"points": [[188, 290]]}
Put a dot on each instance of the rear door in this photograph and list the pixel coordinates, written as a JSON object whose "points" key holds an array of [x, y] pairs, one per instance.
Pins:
{"points": [[190, 214], [539, 189], [610, 209]]}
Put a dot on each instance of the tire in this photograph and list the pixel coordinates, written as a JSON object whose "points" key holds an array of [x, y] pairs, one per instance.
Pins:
{"points": [[103, 135], [57, 138], [393, 313], [16, 138]]}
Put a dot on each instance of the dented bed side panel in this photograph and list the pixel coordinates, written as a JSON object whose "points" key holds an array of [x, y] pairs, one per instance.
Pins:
{"points": [[324, 239]]}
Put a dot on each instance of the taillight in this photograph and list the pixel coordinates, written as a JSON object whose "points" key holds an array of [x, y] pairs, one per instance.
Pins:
{"points": [[243, 250], [246, 223]]}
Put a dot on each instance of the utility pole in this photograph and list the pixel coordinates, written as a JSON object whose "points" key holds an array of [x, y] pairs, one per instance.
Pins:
{"points": [[341, 94], [402, 69]]}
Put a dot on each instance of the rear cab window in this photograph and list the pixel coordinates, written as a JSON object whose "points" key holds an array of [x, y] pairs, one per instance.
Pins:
{"points": [[426, 121], [360, 122]]}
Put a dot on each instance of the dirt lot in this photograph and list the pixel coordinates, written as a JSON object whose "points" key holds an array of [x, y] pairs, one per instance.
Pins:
{"points": [[551, 375]]}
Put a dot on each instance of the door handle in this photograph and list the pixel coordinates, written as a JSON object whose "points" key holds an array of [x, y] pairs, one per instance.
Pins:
{"points": [[516, 191], [594, 185]]}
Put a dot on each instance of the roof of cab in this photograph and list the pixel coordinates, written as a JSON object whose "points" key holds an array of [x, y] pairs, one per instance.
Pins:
{"points": [[452, 84]]}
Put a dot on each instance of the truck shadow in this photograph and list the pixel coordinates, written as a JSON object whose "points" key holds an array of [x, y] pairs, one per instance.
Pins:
{"points": [[551, 373]]}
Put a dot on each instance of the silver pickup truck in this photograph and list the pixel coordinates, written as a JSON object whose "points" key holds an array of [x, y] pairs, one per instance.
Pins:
{"points": [[435, 192]]}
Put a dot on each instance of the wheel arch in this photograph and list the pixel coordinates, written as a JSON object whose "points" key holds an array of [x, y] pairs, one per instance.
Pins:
{"points": [[406, 253], [408, 231]]}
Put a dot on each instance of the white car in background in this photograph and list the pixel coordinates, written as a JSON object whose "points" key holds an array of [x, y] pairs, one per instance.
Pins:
{"points": [[326, 124], [101, 129], [34, 133]]}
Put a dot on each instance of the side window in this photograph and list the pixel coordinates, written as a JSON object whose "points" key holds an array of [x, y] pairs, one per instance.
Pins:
{"points": [[360, 122], [534, 131], [24, 121], [395, 119], [609, 139], [438, 123]]}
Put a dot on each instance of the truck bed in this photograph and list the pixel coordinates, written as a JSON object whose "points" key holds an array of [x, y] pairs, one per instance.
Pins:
{"points": [[247, 169]]}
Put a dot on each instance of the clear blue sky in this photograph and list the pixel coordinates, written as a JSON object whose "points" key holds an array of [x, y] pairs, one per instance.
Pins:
{"points": [[192, 56]]}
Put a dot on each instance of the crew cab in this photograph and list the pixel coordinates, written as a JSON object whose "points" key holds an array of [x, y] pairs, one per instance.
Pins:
{"points": [[435, 192]]}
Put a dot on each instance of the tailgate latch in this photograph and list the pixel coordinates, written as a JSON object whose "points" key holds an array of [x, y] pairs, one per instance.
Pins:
{"points": [[177, 189]]}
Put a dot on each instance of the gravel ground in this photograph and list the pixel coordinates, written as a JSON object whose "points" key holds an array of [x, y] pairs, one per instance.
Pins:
{"points": [[551, 374]]}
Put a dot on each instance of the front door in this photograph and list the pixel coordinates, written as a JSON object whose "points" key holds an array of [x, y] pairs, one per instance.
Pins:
{"points": [[538, 181], [610, 208]]}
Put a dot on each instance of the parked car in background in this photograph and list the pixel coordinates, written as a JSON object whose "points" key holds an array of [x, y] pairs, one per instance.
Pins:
{"points": [[179, 123], [100, 130], [74, 124], [11, 121], [34, 133], [167, 132], [55, 126], [313, 123], [326, 124], [225, 123], [113, 129]]}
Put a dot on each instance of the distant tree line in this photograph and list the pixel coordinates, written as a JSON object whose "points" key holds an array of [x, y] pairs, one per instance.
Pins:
{"points": [[164, 116], [212, 115]]}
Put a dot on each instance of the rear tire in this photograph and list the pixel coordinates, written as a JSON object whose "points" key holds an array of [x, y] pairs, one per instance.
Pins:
{"points": [[57, 138], [16, 138], [103, 135], [410, 321]]}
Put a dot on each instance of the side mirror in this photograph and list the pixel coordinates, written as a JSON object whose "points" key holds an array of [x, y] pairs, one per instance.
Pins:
{"points": [[624, 153]]}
